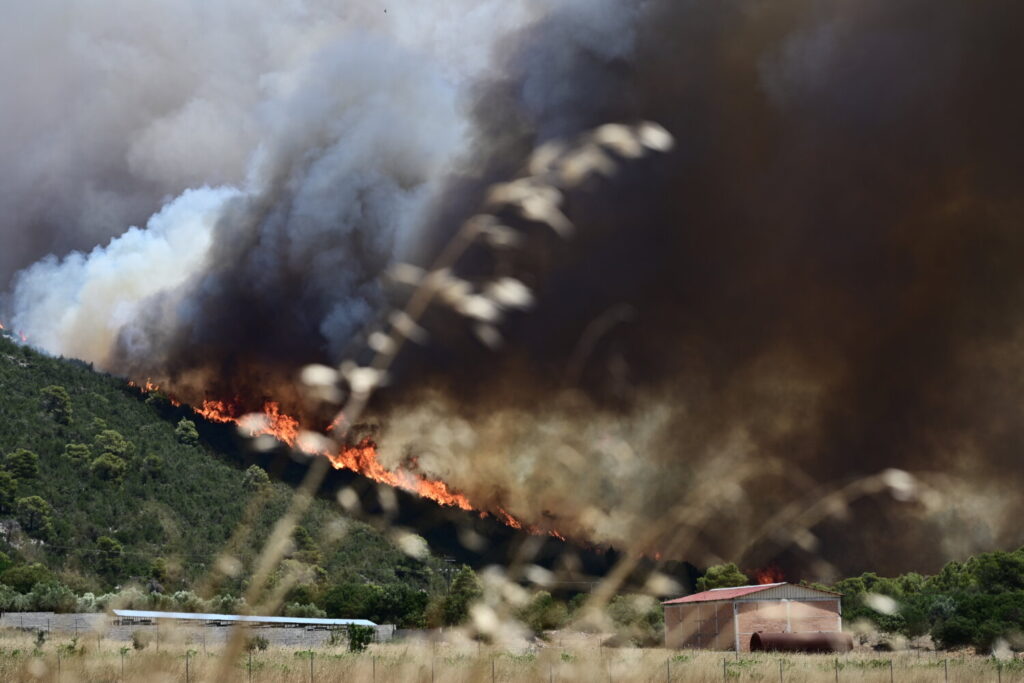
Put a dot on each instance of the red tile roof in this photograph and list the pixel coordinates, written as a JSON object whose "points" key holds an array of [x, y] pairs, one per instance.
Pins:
{"points": [[723, 593]]}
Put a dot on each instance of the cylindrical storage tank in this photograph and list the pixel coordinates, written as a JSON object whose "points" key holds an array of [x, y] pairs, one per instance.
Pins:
{"points": [[801, 642]]}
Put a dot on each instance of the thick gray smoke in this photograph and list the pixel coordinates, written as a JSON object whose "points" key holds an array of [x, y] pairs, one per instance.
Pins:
{"points": [[822, 282], [304, 145]]}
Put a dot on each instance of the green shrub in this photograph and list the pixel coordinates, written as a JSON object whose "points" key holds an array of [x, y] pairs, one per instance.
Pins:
{"points": [[544, 613], [109, 557], [359, 637], [186, 432], [110, 441], [71, 648], [77, 452], [465, 590], [257, 642], [639, 618], [305, 611], [140, 639], [8, 491], [23, 464], [152, 467], [722, 576], [23, 577], [109, 467], [35, 516], [255, 479], [7, 598], [57, 403], [53, 596]]}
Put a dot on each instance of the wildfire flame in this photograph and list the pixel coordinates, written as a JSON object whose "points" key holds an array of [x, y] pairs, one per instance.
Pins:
{"points": [[770, 574], [148, 388], [360, 458], [21, 335]]}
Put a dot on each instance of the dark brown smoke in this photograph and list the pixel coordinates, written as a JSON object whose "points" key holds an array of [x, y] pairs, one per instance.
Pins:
{"points": [[828, 265]]}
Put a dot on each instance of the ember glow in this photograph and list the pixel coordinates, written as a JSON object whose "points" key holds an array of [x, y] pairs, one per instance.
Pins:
{"points": [[769, 574]]}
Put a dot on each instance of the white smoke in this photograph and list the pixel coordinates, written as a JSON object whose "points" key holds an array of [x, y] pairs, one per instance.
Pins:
{"points": [[78, 304], [110, 106], [342, 116]]}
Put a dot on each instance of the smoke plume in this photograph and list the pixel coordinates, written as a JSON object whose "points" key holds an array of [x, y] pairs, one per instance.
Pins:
{"points": [[820, 283]]}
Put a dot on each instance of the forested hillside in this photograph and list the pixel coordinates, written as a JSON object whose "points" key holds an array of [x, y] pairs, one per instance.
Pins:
{"points": [[99, 490]]}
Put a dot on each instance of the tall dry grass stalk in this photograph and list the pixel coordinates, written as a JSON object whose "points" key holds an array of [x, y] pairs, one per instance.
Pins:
{"points": [[580, 659]]}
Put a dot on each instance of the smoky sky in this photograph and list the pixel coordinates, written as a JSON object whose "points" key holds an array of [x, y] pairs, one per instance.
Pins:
{"points": [[828, 262], [824, 272]]}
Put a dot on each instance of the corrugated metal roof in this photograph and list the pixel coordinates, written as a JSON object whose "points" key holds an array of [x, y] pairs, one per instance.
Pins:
{"points": [[717, 594], [197, 616]]}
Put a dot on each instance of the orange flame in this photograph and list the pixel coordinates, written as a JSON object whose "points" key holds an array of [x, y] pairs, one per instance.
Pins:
{"points": [[361, 458], [770, 574], [21, 335], [149, 387]]}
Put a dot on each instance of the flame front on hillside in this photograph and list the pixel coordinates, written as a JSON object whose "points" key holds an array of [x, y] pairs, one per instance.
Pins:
{"points": [[360, 458]]}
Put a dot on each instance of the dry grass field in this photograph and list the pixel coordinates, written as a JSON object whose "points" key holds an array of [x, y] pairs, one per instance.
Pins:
{"points": [[95, 660]]}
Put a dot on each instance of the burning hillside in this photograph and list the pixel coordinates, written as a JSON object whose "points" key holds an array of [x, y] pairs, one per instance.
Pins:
{"points": [[815, 287], [360, 458]]}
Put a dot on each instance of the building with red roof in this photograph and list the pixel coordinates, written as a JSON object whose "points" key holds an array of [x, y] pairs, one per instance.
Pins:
{"points": [[727, 618]]}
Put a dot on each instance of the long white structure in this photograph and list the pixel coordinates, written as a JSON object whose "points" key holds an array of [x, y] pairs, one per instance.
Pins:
{"points": [[199, 616]]}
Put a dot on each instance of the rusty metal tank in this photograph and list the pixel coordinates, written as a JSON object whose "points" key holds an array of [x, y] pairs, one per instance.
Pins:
{"points": [[801, 642]]}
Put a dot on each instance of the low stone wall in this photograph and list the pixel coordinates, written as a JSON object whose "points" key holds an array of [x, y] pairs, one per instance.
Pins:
{"points": [[198, 634]]}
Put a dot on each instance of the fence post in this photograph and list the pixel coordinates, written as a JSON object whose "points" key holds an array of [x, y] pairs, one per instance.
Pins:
{"points": [[311, 666], [837, 669], [780, 671], [945, 666], [122, 667], [668, 670], [890, 670], [58, 666], [725, 663], [492, 668], [999, 670], [188, 675], [374, 660], [250, 666]]}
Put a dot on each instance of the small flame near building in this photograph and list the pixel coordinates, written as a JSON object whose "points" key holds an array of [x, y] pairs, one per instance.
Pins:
{"points": [[770, 574]]}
